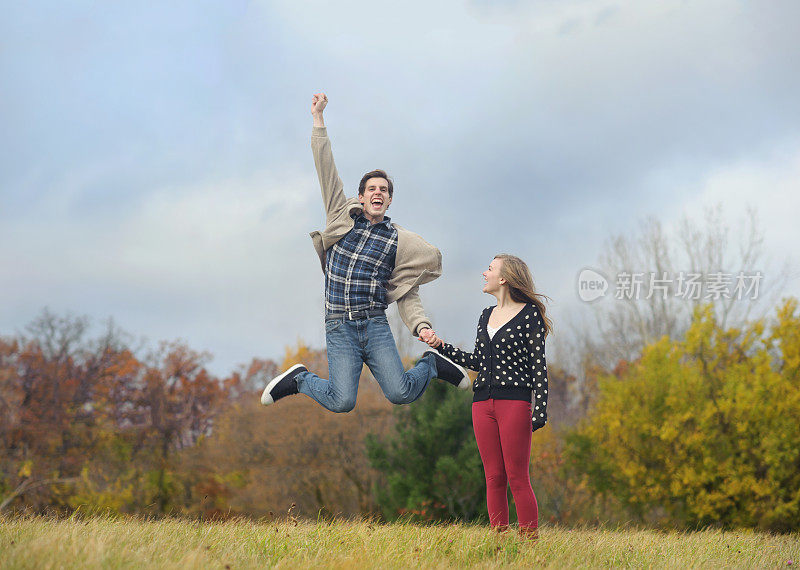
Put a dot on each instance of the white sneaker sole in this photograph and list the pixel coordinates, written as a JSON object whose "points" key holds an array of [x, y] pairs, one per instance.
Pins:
{"points": [[266, 397], [465, 383]]}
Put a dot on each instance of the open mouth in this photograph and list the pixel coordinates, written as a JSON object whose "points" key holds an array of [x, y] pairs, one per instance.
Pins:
{"points": [[377, 203]]}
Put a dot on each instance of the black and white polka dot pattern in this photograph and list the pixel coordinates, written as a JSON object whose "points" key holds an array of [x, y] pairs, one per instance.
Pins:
{"points": [[513, 357]]}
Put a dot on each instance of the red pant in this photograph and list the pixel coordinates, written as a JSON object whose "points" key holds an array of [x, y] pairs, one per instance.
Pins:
{"points": [[503, 431]]}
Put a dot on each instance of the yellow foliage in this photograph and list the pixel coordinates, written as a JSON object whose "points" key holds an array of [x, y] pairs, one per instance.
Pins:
{"points": [[26, 469], [704, 430], [315, 360]]}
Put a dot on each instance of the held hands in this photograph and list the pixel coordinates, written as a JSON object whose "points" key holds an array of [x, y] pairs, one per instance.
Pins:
{"points": [[428, 336]]}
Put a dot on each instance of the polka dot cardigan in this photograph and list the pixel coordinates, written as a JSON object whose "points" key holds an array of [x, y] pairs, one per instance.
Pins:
{"points": [[511, 365]]}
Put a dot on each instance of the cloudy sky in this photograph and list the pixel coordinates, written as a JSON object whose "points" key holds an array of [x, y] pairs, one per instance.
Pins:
{"points": [[155, 163]]}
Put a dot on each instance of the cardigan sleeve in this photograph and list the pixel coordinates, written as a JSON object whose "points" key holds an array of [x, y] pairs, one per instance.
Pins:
{"points": [[411, 311], [538, 372], [469, 359]]}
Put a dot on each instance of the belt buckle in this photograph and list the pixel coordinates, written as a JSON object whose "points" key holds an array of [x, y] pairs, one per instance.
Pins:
{"points": [[350, 315]]}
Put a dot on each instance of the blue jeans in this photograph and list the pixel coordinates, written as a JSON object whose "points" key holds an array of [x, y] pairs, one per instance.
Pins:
{"points": [[351, 344]]}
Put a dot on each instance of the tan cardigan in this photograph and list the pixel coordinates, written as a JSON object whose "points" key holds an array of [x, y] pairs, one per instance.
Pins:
{"points": [[417, 262]]}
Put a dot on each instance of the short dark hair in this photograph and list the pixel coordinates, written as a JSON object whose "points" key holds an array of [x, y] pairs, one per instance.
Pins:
{"points": [[375, 174]]}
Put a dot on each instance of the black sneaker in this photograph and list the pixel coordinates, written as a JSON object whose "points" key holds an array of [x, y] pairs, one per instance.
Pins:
{"points": [[282, 385], [449, 371]]}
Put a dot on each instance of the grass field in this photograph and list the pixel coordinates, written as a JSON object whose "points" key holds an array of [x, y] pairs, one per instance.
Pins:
{"points": [[132, 543]]}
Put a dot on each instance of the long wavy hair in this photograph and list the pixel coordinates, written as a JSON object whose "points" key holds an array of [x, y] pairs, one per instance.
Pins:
{"points": [[520, 285]]}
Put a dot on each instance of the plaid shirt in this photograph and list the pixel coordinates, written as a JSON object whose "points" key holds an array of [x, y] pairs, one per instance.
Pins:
{"points": [[358, 266]]}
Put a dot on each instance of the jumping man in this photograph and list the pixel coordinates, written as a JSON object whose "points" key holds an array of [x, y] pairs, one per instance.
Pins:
{"points": [[368, 262]]}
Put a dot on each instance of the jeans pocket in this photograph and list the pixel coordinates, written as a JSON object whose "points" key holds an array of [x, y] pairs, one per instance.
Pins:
{"points": [[333, 324]]}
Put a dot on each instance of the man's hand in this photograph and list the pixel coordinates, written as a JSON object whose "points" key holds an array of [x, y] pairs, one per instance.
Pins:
{"points": [[318, 103], [427, 335]]}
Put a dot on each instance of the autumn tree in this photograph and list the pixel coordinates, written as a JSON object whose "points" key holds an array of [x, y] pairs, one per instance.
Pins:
{"points": [[702, 430], [657, 277], [168, 403], [90, 424], [265, 459], [48, 383]]}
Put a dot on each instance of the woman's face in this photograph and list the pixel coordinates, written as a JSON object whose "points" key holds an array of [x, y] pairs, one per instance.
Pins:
{"points": [[492, 276]]}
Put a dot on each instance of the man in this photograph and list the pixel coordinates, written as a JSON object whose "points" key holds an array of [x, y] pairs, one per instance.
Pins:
{"points": [[368, 262]]}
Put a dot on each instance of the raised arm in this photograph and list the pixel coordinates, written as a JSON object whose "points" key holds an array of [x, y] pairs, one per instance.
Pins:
{"points": [[333, 197]]}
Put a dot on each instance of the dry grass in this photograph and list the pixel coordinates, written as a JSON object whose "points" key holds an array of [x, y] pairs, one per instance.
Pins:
{"points": [[109, 542]]}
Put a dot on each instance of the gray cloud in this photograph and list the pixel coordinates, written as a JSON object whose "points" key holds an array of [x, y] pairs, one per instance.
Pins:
{"points": [[155, 165]]}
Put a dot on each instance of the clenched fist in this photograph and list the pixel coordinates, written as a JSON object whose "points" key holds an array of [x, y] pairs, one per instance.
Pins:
{"points": [[318, 103]]}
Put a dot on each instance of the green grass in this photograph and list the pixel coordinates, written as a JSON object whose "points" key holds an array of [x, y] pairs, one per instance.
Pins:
{"points": [[115, 542]]}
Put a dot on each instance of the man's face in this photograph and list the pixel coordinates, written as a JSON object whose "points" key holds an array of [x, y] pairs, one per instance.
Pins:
{"points": [[375, 198]]}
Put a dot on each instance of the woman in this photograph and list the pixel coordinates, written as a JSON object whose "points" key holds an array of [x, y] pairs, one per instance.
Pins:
{"points": [[511, 387]]}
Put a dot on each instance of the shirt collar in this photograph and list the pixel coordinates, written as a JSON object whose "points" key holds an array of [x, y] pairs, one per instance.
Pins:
{"points": [[387, 221]]}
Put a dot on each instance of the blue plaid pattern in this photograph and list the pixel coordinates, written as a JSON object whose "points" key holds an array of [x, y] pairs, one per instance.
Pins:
{"points": [[358, 267]]}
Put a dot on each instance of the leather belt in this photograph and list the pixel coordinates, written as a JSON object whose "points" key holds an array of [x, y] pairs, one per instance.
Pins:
{"points": [[356, 315]]}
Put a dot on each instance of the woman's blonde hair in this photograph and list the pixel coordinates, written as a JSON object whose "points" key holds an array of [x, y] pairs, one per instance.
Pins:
{"points": [[520, 285]]}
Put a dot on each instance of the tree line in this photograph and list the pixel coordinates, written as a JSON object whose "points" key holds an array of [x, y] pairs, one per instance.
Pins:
{"points": [[688, 426], [695, 431]]}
